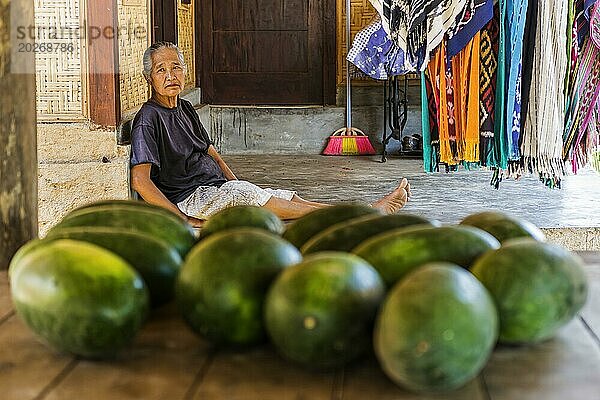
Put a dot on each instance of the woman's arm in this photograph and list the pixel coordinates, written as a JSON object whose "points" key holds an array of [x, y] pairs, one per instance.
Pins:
{"points": [[141, 183], [224, 167]]}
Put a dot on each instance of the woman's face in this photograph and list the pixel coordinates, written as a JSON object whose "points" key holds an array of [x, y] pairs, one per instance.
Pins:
{"points": [[167, 76]]}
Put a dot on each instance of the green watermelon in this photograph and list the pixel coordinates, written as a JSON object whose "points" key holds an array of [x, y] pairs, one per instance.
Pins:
{"points": [[174, 231], [537, 287], [156, 261], [436, 329], [78, 297], [504, 226], [24, 250], [304, 228], [130, 205], [320, 312], [242, 216], [222, 284], [395, 253], [348, 234]]}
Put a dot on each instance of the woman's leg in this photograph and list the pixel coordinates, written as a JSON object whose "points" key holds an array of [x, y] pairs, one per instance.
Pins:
{"points": [[388, 204], [289, 209], [205, 203], [298, 199]]}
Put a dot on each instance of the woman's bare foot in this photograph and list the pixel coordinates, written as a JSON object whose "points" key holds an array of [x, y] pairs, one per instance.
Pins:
{"points": [[394, 201]]}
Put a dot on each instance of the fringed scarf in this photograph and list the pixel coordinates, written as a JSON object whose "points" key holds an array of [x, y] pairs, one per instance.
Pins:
{"points": [[465, 71], [500, 137], [430, 155], [516, 13], [544, 123], [438, 106], [487, 89], [582, 112], [453, 93]]}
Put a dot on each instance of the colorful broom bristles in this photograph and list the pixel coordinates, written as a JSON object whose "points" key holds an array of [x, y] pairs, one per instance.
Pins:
{"points": [[348, 142]]}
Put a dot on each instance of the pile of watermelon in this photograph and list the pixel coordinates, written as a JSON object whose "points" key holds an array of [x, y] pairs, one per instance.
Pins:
{"points": [[430, 300]]}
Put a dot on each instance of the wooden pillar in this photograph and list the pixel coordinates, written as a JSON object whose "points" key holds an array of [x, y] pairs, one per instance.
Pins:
{"points": [[103, 63], [18, 158]]}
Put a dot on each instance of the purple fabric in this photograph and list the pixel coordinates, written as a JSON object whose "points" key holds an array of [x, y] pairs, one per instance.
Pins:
{"points": [[583, 9], [594, 74], [514, 151]]}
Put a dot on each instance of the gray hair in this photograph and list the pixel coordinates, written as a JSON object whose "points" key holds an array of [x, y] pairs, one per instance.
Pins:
{"points": [[155, 47]]}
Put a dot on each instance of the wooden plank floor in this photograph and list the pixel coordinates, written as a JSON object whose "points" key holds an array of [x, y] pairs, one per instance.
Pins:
{"points": [[167, 361]]}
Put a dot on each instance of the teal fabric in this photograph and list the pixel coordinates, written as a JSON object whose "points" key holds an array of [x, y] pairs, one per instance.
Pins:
{"points": [[427, 149], [500, 134]]}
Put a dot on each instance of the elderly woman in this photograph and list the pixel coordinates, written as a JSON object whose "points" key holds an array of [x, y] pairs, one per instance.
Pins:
{"points": [[175, 165]]}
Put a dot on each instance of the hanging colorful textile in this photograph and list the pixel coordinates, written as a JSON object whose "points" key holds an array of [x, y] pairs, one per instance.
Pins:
{"points": [[376, 55], [465, 72], [453, 92], [500, 137], [475, 16], [583, 16], [531, 26], [516, 12], [487, 89], [430, 159], [581, 123], [593, 139], [418, 26], [573, 55], [430, 127], [438, 106], [544, 123]]}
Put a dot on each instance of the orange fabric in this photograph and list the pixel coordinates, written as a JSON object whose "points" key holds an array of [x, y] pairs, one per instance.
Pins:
{"points": [[437, 70], [457, 90], [465, 68]]}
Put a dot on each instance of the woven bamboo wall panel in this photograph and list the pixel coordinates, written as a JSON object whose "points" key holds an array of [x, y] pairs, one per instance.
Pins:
{"points": [[185, 34], [361, 13], [134, 89], [59, 86]]}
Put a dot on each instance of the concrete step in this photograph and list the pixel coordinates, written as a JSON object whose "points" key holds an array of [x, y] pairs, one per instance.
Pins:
{"points": [[294, 130]]}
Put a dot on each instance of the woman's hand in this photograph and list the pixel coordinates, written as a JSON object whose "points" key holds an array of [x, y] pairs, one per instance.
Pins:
{"points": [[195, 222]]}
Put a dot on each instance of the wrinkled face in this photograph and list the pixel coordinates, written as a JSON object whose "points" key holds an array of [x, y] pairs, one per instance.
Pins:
{"points": [[167, 76]]}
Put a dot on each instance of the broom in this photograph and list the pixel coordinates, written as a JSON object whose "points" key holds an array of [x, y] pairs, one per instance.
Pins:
{"points": [[348, 141]]}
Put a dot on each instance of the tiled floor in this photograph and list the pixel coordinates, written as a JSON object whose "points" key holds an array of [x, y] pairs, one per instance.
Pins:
{"points": [[447, 197]]}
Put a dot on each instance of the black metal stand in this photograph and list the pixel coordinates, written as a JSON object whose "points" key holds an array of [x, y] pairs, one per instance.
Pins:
{"points": [[395, 111]]}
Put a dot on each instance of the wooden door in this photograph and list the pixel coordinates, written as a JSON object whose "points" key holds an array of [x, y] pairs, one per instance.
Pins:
{"points": [[266, 51], [164, 21]]}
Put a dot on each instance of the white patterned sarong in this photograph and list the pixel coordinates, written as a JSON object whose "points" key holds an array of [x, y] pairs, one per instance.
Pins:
{"points": [[207, 200]]}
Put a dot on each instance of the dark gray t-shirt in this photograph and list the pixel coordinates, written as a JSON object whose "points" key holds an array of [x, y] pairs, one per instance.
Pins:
{"points": [[174, 141]]}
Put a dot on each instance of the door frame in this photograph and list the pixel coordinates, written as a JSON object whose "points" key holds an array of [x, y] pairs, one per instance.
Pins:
{"points": [[329, 49], [164, 21]]}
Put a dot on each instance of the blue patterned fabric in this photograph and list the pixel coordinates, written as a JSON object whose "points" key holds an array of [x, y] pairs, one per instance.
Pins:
{"points": [[516, 13], [583, 8], [473, 19], [514, 152], [375, 54]]}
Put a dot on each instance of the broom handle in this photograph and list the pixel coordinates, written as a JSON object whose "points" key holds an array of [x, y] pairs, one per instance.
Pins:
{"points": [[348, 88]]}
